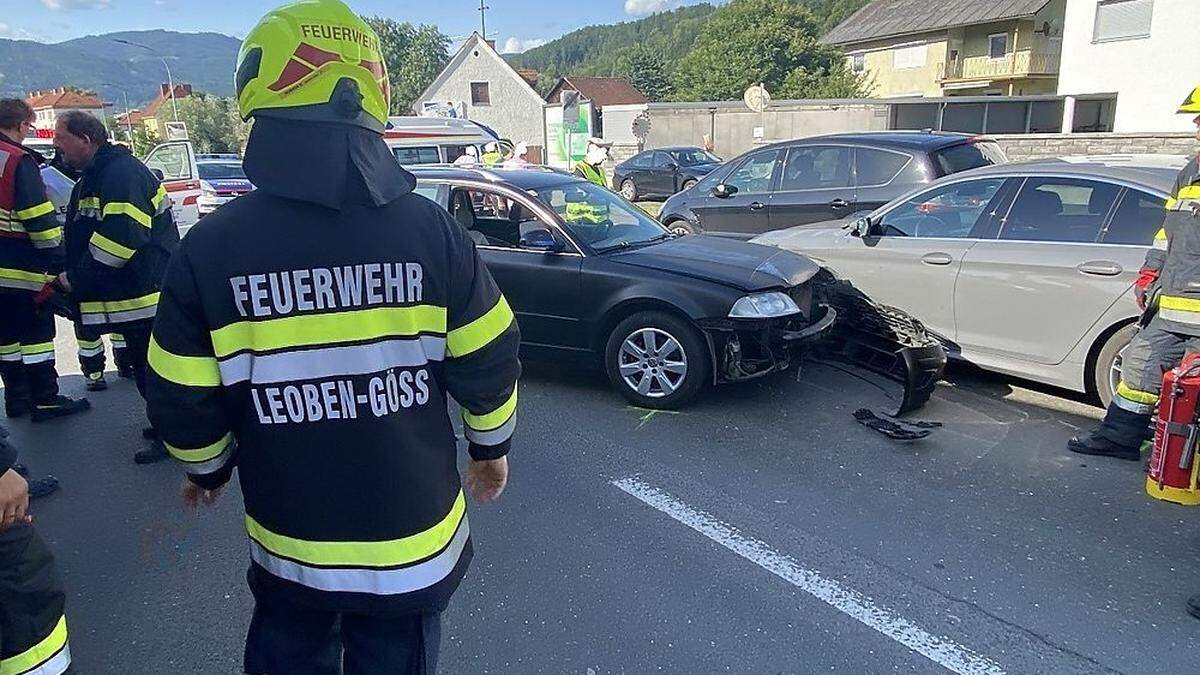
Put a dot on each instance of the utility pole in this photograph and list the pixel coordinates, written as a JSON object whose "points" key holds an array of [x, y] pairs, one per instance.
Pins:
{"points": [[483, 19]]}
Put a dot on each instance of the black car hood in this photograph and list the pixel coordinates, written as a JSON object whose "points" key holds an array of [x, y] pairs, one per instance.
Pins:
{"points": [[747, 267]]}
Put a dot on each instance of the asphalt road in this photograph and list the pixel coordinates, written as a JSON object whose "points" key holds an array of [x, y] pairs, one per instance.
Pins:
{"points": [[760, 531]]}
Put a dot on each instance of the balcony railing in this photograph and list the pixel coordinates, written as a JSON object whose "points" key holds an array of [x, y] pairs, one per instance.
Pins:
{"points": [[1013, 64]]}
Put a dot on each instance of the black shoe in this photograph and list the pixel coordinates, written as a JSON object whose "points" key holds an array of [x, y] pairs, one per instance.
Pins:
{"points": [[1102, 447], [1193, 605], [61, 406], [95, 382], [42, 487], [15, 409], [156, 452], [150, 434]]}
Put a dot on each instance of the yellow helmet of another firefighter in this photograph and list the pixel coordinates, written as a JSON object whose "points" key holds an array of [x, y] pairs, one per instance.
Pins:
{"points": [[1191, 104]]}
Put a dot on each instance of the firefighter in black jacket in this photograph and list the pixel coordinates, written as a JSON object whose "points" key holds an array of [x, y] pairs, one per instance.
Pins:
{"points": [[33, 629], [31, 253], [309, 334], [119, 237]]}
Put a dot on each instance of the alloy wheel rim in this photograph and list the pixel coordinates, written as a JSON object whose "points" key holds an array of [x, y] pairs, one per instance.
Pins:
{"points": [[628, 190], [652, 362], [1114, 372]]}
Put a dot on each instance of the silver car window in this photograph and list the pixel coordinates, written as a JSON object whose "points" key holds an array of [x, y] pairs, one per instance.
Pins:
{"points": [[1137, 220], [1059, 210], [947, 212]]}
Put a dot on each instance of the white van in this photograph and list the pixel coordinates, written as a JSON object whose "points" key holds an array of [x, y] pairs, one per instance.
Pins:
{"points": [[437, 140]]}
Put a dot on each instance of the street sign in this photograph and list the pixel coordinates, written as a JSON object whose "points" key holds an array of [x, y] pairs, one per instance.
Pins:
{"points": [[176, 131], [757, 98], [641, 126], [570, 104]]}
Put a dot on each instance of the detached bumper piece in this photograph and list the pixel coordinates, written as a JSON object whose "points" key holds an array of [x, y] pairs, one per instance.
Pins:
{"points": [[748, 350], [887, 341], [897, 430]]}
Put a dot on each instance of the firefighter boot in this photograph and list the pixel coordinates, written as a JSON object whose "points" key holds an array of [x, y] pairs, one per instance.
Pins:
{"points": [[59, 406], [95, 382], [155, 452], [1120, 435], [1094, 444]]}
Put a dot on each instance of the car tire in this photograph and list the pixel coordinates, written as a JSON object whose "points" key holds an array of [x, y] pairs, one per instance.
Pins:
{"points": [[680, 227], [1106, 365], [687, 185], [678, 345], [629, 190]]}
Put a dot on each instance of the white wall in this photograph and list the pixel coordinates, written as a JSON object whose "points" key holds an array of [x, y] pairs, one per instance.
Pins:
{"points": [[618, 122], [1150, 76], [515, 111], [48, 117]]}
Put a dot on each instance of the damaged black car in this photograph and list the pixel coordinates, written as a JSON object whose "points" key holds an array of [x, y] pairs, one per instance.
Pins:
{"points": [[593, 279]]}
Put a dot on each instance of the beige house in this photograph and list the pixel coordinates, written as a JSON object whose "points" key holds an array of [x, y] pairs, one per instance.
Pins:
{"points": [[927, 48]]}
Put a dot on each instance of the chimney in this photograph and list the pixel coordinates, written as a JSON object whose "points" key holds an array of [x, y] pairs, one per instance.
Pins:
{"points": [[164, 90], [491, 43]]}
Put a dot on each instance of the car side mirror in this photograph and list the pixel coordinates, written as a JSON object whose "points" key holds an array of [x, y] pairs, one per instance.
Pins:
{"points": [[724, 191], [158, 174], [672, 167], [860, 227], [539, 239]]}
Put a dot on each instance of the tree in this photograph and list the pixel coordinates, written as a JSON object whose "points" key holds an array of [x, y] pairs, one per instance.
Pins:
{"points": [[213, 123], [770, 41], [414, 56], [142, 142], [646, 69]]}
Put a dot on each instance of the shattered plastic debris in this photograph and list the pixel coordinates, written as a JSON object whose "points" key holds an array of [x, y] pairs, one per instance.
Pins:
{"points": [[898, 430]]}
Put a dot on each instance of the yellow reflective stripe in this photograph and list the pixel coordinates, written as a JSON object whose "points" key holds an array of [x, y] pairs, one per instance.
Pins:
{"points": [[1189, 192], [204, 454], [1161, 234], [21, 275], [14, 348], [1172, 204], [1181, 304], [90, 202], [111, 247], [127, 209], [390, 553], [39, 348], [481, 331], [328, 329], [189, 371], [47, 235], [494, 419], [39, 653], [120, 305], [157, 200], [34, 211], [1128, 393], [89, 344]]}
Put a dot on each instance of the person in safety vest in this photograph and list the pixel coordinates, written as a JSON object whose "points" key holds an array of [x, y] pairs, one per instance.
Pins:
{"points": [[31, 254], [588, 168], [119, 237], [33, 626], [491, 154], [309, 335], [1165, 288]]}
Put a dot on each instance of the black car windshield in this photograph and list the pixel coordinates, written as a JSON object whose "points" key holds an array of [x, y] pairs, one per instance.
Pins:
{"points": [[222, 171], [694, 156], [969, 156], [599, 218]]}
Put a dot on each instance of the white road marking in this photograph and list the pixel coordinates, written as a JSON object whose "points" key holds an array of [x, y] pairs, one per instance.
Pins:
{"points": [[941, 650]]}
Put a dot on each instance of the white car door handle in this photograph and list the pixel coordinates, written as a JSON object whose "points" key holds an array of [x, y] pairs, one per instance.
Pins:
{"points": [[937, 258], [1100, 268]]}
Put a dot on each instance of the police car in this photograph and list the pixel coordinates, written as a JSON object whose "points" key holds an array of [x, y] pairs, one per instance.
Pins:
{"points": [[221, 181]]}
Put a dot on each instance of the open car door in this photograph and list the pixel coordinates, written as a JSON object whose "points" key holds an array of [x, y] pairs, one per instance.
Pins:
{"points": [[176, 161]]}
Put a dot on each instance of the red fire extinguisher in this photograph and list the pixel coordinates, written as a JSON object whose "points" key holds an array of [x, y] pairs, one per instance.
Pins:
{"points": [[1173, 466]]}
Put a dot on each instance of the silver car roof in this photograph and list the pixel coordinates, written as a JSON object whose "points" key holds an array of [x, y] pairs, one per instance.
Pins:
{"points": [[1156, 172]]}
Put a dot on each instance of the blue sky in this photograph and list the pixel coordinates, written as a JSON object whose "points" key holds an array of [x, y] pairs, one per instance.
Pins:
{"points": [[515, 24]]}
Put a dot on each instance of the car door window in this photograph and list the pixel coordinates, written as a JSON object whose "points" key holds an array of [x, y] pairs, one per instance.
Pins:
{"points": [[492, 219], [1060, 210], [878, 167], [754, 175], [661, 160], [948, 212], [418, 155], [1139, 217], [172, 160], [816, 167], [641, 161]]}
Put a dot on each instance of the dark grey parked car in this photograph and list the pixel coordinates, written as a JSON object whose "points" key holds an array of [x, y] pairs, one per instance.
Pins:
{"points": [[660, 173], [821, 178]]}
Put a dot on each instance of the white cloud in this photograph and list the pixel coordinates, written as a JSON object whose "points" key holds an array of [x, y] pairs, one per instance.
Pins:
{"points": [[11, 32], [517, 45], [647, 7], [69, 5]]}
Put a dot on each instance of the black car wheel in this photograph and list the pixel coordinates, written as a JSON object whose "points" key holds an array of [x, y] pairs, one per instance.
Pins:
{"points": [[656, 360], [680, 227], [629, 190]]}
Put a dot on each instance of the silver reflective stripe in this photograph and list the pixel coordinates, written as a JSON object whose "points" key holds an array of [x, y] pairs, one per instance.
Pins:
{"points": [[105, 257], [30, 359], [88, 352], [48, 243], [214, 464], [493, 437], [119, 317], [1133, 406], [1180, 316], [375, 582], [332, 361], [57, 665], [1160, 244], [15, 357], [23, 285]]}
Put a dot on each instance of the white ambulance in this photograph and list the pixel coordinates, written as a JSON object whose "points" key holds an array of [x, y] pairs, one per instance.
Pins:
{"points": [[437, 140]]}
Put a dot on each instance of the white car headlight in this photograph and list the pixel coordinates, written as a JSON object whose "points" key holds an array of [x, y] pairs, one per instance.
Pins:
{"points": [[767, 305], [207, 190]]}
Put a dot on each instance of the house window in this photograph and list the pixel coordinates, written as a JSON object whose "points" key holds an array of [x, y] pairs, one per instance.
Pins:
{"points": [[909, 57], [858, 63], [480, 94], [1122, 19], [998, 45]]}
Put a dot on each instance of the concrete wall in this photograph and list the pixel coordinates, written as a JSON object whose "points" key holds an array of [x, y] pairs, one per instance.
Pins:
{"points": [[1149, 75], [1036, 146], [515, 111], [732, 126]]}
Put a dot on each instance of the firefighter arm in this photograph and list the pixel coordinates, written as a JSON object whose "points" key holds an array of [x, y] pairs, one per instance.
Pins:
{"points": [[37, 215], [481, 367], [125, 211], [184, 398]]}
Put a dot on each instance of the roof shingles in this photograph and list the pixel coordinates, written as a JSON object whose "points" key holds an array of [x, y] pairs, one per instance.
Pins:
{"points": [[893, 18]]}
